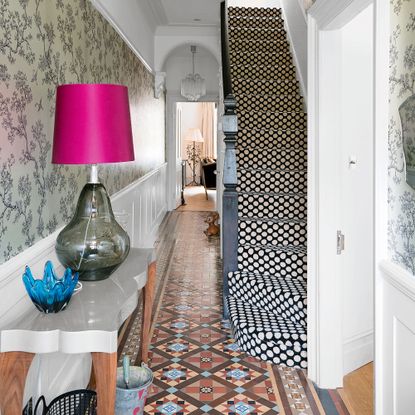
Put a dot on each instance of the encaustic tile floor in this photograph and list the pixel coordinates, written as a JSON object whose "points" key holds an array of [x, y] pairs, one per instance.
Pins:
{"points": [[197, 366]]}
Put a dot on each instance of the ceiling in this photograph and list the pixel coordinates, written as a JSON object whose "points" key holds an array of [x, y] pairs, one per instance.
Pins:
{"points": [[185, 12]]}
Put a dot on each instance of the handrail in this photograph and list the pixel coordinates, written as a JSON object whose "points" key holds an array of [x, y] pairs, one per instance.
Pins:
{"points": [[226, 65], [230, 180]]}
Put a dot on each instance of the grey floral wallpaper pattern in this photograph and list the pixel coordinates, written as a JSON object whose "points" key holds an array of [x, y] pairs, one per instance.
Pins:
{"points": [[44, 43], [401, 197]]}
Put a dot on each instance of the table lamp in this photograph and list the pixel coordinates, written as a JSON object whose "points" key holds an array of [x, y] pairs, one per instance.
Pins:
{"points": [[92, 126], [193, 153]]}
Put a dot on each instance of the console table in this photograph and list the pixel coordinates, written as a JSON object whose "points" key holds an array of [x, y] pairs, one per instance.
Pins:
{"points": [[89, 324]]}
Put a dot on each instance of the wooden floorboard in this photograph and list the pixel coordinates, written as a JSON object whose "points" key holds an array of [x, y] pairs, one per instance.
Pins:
{"points": [[357, 392], [196, 201]]}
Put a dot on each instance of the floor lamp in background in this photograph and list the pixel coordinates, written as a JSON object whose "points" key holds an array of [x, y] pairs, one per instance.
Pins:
{"points": [[193, 151]]}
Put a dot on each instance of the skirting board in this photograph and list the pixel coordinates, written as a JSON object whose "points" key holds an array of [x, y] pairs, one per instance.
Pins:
{"points": [[357, 352], [139, 208]]}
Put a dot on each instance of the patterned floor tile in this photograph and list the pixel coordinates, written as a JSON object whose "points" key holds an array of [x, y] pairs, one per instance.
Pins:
{"points": [[206, 360], [206, 335], [207, 390], [229, 347], [237, 374], [197, 366], [170, 405], [178, 347], [243, 405], [174, 374]]}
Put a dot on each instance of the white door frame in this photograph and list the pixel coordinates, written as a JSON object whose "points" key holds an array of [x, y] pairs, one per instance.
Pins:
{"points": [[325, 343], [172, 98]]}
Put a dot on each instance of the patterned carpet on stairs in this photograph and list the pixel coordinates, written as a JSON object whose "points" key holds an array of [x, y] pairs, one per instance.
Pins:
{"points": [[197, 366]]}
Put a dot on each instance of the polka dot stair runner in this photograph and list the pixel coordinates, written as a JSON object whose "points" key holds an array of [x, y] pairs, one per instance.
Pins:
{"points": [[268, 295]]}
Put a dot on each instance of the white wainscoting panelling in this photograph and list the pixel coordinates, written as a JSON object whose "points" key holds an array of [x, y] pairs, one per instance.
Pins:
{"points": [[140, 208], [398, 349]]}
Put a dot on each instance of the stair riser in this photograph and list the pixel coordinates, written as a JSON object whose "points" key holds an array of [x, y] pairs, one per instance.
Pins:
{"points": [[261, 335], [255, 12], [263, 46], [272, 159], [260, 260], [256, 23], [277, 103], [264, 72], [271, 233], [285, 298], [268, 206], [257, 34], [271, 139], [237, 58], [264, 87], [272, 182], [272, 120]]}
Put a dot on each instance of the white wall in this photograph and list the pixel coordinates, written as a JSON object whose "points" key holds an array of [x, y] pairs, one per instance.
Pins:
{"points": [[169, 38], [177, 67], [296, 25], [134, 23]]}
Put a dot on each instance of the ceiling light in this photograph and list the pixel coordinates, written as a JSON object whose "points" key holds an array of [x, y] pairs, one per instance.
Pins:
{"points": [[193, 86]]}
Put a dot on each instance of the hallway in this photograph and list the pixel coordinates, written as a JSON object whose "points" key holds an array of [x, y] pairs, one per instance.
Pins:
{"points": [[197, 366]]}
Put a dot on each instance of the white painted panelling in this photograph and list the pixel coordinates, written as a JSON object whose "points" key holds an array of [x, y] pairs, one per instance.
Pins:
{"points": [[142, 206], [396, 395], [404, 368]]}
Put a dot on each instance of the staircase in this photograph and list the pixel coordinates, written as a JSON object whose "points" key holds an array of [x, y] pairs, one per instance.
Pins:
{"points": [[267, 300]]}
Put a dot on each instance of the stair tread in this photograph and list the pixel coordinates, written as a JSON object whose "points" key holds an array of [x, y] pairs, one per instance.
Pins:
{"points": [[269, 320], [300, 249], [271, 219], [281, 295], [285, 341], [275, 170], [273, 194]]}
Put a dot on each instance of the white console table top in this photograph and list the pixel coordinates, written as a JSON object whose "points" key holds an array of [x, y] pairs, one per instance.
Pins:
{"points": [[92, 318]]}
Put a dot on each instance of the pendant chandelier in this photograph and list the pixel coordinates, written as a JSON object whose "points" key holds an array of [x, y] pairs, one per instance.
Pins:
{"points": [[193, 86]]}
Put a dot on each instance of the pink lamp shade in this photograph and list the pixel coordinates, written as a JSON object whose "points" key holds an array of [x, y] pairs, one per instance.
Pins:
{"points": [[92, 125]]}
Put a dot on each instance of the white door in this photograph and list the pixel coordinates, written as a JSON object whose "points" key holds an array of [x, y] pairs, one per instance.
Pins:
{"points": [[341, 189], [356, 190]]}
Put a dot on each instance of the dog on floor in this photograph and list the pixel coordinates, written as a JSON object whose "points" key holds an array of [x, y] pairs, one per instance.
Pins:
{"points": [[213, 228]]}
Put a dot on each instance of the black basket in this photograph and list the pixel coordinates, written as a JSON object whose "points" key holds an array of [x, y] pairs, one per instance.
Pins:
{"points": [[78, 402]]}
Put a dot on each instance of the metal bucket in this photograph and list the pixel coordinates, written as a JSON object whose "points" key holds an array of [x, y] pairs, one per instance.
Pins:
{"points": [[133, 384]]}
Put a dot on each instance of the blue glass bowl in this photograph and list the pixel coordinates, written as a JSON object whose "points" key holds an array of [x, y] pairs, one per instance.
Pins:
{"points": [[51, 294]]}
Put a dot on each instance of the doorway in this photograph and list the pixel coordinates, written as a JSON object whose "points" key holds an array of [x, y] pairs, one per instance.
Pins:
{"points": [[341, 194], [197, 147]]}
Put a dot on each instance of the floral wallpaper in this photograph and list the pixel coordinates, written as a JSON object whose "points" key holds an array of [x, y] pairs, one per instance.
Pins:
{"points": [[401, 196], [44, 43]]}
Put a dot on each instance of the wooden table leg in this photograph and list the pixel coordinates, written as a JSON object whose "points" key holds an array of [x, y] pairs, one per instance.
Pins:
{"points": [[105, 369], [148, 300], [13, 371]]}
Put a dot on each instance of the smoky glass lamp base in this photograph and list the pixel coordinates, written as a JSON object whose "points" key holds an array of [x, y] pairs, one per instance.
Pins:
{"points": [[93, 243]]}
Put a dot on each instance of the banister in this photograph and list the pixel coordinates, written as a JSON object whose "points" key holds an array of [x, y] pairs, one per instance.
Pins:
{"points": [[230, 195]]}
